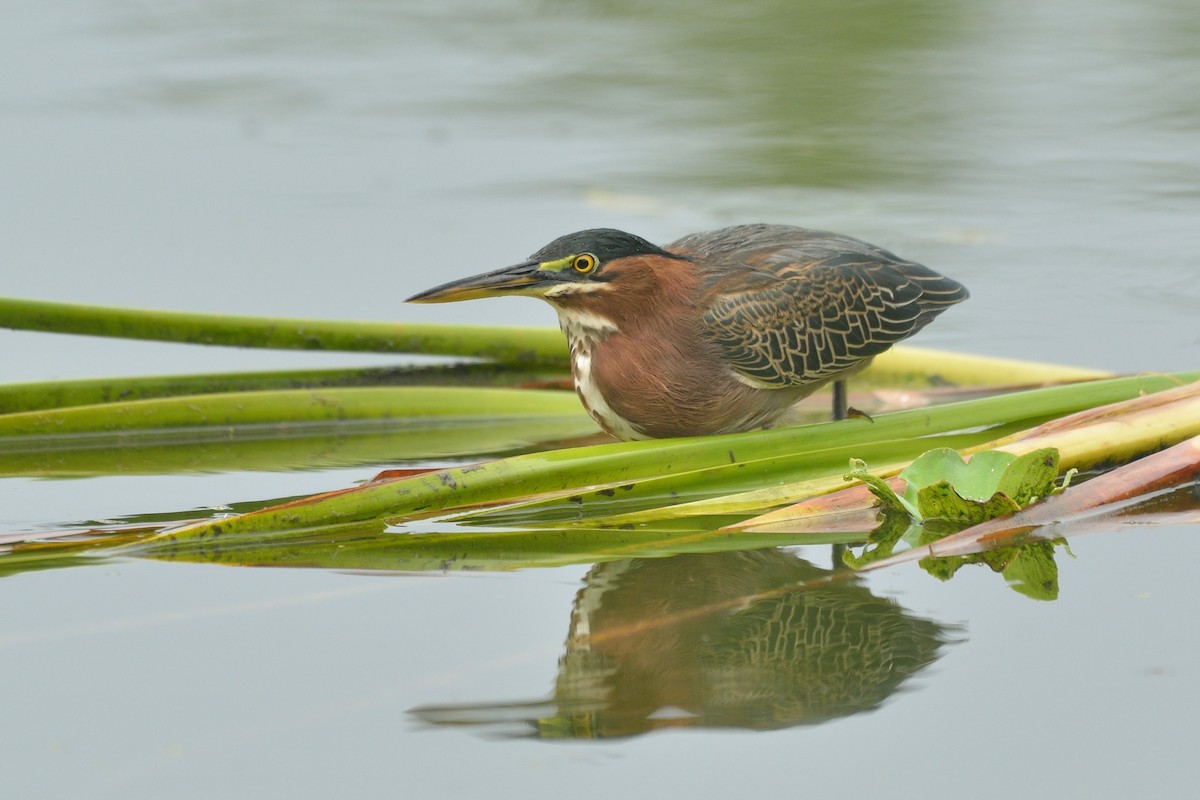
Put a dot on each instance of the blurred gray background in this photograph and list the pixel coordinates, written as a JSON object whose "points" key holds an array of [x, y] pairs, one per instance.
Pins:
{"points": [[327, 159]]}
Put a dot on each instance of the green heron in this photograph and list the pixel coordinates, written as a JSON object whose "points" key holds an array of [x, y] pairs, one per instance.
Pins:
{"points": [[720, 331]]}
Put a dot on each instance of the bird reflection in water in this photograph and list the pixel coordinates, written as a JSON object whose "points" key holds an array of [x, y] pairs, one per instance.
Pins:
{"points": [[760, 640]]}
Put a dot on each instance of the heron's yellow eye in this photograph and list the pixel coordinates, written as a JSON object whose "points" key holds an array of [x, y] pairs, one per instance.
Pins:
{"points": [[584, 263]]}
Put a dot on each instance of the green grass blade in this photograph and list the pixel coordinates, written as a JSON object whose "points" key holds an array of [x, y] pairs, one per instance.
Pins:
{"points": [[552, 472], [647, 499], [60, 394], [276, 448], [515, 346], [274, 408], [721, 489], [908, 366], [902, 365]]}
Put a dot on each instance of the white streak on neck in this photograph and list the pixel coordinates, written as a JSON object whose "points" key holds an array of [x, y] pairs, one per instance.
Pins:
{"points": [[594, 402], [572, 288], [584, 326], [585, 330]]}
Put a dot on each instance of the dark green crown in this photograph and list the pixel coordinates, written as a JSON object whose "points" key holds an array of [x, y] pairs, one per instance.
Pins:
{"points": [[606, 244]]}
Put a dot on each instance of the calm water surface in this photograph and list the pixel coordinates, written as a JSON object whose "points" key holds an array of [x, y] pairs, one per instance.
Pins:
{"points": [[328, 159]]}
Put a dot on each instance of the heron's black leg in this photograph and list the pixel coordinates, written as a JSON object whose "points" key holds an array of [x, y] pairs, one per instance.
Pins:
{"points": [[838, 564], [840, 408]]}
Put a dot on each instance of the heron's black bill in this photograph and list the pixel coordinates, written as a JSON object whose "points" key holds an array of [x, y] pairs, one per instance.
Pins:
{"points": [[523, 278]]}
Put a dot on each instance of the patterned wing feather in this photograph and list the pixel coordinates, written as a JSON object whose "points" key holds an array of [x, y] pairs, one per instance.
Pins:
{"points": [[805, 321]]}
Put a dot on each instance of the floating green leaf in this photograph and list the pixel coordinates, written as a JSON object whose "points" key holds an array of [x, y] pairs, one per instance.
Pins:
{"points": [[940, 484]]}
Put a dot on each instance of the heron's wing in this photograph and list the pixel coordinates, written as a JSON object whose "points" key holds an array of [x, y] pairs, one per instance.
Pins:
{"points": [[798, 321]]}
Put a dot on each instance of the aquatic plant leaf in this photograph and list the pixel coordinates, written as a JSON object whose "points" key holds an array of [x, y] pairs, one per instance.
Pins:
{"points": [[940, 484], [973, 480], [1031, 476], [1033, 572]]}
